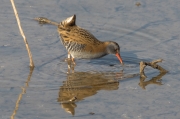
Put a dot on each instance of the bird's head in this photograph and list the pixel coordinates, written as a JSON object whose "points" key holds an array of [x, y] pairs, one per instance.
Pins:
{"points": [[113, 48]]}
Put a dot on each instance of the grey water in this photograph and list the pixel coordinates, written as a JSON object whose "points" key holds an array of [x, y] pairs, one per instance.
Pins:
{"points": [[103, 88]]}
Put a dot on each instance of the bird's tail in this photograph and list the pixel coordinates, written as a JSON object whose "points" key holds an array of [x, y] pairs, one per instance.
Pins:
{"points": [[43, 20]]}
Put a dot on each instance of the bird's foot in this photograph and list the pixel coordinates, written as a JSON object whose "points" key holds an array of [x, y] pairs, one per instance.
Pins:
{"points": [[67, 59], [73, 61], [70, 69], [71, 65]]}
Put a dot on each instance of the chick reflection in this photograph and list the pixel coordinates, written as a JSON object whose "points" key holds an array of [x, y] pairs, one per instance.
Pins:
{"points": [[80, 85]]}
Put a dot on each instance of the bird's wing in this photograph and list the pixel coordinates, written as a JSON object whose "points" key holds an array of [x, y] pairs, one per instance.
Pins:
{"points": [[79, 38]]}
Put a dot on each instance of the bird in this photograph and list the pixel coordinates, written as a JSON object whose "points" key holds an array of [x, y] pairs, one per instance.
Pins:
{"points": [[80, 43]]}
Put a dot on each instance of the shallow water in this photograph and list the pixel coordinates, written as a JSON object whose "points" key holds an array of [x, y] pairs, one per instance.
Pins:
{"points": [[103, 88]]}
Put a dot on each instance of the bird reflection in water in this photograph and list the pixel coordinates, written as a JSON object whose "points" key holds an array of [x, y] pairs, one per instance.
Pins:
{"points": [[80, 85]]}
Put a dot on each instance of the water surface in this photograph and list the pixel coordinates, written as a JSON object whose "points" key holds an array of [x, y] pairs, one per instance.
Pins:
{"points": [[103, 88]]}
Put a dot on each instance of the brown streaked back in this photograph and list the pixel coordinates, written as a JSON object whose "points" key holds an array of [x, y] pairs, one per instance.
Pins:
{"points": [[75, 38]]}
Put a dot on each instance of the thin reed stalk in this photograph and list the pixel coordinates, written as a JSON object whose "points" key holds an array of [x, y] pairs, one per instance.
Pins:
{"points": [[22, 33]]}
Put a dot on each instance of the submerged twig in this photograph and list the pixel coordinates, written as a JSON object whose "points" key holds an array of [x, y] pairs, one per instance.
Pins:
{"points": [[152, 64]]}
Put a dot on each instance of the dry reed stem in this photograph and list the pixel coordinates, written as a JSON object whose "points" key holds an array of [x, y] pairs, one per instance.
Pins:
{"points": [[22, 33]]}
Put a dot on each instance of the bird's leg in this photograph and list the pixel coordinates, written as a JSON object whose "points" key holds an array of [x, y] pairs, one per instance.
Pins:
{"points": [[72, 68], [69, 62], [69, 68], [73, 64], [73, 61], [68, 58]]}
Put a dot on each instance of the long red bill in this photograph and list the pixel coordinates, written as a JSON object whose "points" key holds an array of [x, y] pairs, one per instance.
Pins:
{"points": [[119, 57]]}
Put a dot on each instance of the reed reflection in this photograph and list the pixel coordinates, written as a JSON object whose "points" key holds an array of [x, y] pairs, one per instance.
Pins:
{"points": [[22, 93]]}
